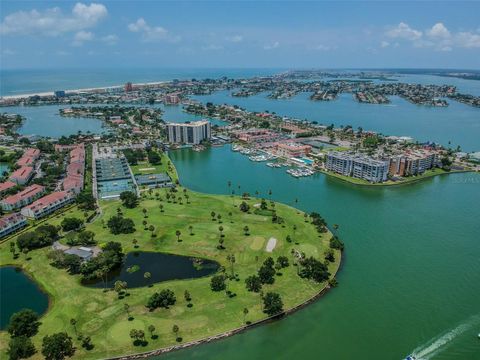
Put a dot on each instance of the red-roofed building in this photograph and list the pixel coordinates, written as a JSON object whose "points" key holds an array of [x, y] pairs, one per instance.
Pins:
{"points": [[22, 175], [48, 204], [293, 150], [24, 197], [75, 170], [11, 223], [28, 158], [6, 185]]}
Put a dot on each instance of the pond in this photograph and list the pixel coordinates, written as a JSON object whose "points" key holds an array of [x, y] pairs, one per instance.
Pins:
{"points": [[19, 292], [162, 267], [4, 168]]}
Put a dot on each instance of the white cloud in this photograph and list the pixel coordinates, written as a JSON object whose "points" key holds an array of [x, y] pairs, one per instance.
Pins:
{"points": [[8, 52], [110, 39], [384, 44], [62, 53], [81, 37], [212, 47], [468, 39], [320, 47], [235, 38], [271, 46], [404, 31], [439, 31], [53, 21], [151, 34]]}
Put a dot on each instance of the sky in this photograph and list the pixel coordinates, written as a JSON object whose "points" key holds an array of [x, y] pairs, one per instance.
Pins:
{"points": [[240, 34]]}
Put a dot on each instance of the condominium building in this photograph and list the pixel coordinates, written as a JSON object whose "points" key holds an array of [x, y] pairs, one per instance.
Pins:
{"points": [[172, 98], [293, 150], [413, 162], [358, 166], [22, 175], [189, 133], [11, 223], [28, 158], [48, 204], [257, 135], [75, 170], [6, 186], [23, 198]]}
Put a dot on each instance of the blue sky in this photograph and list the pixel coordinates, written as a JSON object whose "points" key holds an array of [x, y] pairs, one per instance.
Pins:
{"points": [[40, 34]]}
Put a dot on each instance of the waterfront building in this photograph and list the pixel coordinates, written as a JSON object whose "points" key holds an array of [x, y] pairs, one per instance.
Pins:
{"points": [[48, 204], [256, 135], [413, 162], [128, 87], [22, 175], [172, 98], [293, 150], [23, 198], [5, 186], [358, 166], [189, 133], [59, 93], [11, 223]]}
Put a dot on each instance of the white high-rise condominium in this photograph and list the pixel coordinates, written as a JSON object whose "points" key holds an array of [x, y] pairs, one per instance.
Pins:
{"points": [[189, 133]]}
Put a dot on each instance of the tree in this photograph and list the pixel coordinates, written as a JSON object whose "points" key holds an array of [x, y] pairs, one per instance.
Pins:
{"points": [[253, 283], [151, 228], [282, 261], [151, 330], [126, 307], [217, 283], [175, 330], [267, 272], [220, 228], [245, 313], [272, 304], [314, 269], [69, 224], [57, 346], [329, 255], [120, 225], [244, 206], [147, 276], [144, 212], [129, 199], [73, 322], [120, 287], [87, 342], [161, 207], [86, 237], [23, 323], [178, 233], [246, 230], [20, 347], [231, 260], [164, 299], [190, 228], [336, 243], [135, 243], [188, 298]]}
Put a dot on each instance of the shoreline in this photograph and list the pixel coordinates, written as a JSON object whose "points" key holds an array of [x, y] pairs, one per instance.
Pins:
{"points": [[400, 183], [77, 91], [226, 334]]}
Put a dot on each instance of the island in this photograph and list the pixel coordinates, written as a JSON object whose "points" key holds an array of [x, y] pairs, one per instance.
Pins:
{"points": [[257, 259]]}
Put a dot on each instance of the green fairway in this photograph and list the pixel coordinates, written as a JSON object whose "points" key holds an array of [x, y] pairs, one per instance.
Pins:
{"points": [[101, 315]]}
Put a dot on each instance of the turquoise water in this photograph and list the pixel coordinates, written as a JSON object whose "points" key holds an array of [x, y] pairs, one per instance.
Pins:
{"points": [[19, 292], [411, 273], [4, 168], [458, 124], [175, 114], [46, 121]]}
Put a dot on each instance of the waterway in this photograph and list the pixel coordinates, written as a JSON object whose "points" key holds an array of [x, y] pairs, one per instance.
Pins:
{"points": [[411, 272], [19, 292], [457, 124]]}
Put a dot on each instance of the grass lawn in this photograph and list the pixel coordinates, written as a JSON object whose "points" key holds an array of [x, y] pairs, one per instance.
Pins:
{"points": [[101, 315]]}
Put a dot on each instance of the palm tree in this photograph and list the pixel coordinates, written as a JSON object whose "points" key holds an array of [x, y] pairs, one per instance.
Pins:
{"points": [[246, 230], [245, 313], [144, 212], [230, 215], [147, 276], [126, 307], [231, 260], [144, 222], [270, 193], [152, 229], [212, 214], [187, 197], [219, 217], [190, 228], [178, 233], [220, 243], [335, 228], [151, 330], [233, 197], [175, 330], [135, 242], [220, 228], [73, 322], [161, 207]]}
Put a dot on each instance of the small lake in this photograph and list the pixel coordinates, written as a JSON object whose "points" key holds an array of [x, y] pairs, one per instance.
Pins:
{"points": [[19, 292], [162, 267], [4, 168]]}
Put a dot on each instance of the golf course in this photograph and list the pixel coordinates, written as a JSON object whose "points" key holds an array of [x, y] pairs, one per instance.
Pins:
{"points": [[238, 233]]}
